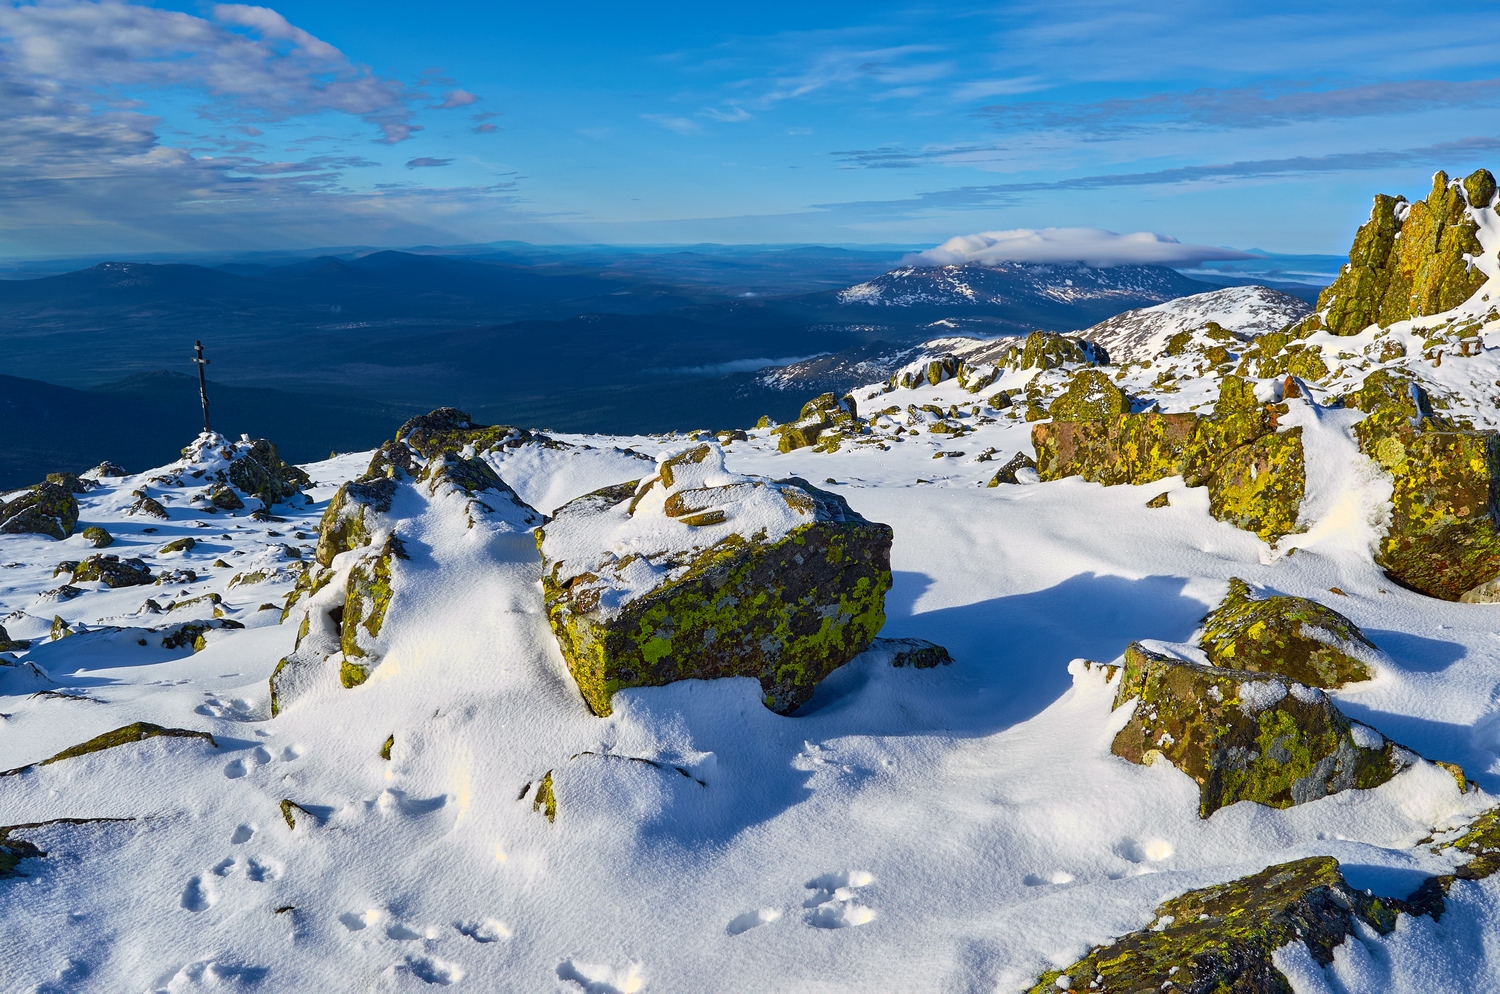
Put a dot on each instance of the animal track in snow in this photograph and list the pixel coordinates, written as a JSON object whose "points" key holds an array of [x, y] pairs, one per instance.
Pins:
{"points": [[1056, 877], [602, 979], [235, 709], [258, 757], [242, 835], [486, 930], [199, 895], [428, 969], [752, 919], [832, 903]]}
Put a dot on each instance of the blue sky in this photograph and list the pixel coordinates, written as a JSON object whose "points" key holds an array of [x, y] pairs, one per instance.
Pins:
{"points": [[136, 127]]}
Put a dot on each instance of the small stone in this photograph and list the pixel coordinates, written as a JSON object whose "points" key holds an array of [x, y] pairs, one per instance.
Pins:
{"points": [[97, 537], [1163, 499]]}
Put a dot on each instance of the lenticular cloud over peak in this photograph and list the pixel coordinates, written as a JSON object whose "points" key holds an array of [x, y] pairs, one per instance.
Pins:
{"points": [[1090, 246]]}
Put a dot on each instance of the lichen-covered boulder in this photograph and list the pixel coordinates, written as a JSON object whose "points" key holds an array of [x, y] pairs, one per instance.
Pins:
{"points": [[349, 520], [1288, 636], [1259, 487], [71, 483], [107, 468], [1007, 473], [147, 505], [367, 598], [447, 429], [1223, 939], [98, 537], [699, 573], [45, 509], [1443, 539], [1255, 474], [113, 572], [1246, 736]]}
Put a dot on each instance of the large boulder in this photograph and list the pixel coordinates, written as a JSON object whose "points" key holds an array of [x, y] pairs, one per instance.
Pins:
{"points": [[45, 509], [699, 573], [250, 464], [1255, 474], [1246, 736], [823, 423], [1293, 637], [1443, 539], [447, 429]]}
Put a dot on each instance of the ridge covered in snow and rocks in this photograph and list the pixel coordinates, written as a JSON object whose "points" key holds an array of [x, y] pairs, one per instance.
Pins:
{"points": [[1160, 656], [1012, 283]]}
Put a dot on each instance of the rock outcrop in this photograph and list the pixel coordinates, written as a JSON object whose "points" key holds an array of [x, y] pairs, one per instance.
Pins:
{"points": [[251, 464], [1443, 538], [1246, 736], [345, 599], [1409, 260], [45, 509], [1255, 473], [1292, 637], [824, 423], [698, 573]]}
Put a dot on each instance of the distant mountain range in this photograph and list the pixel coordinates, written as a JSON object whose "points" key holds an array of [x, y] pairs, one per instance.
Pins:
{"points": [[633, 342]]}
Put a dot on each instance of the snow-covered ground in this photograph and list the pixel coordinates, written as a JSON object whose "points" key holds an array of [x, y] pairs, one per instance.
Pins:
{"points": [[954, 829]]}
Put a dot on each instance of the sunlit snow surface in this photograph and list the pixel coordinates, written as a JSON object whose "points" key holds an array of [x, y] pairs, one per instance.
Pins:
{"points": [[955, 829]]}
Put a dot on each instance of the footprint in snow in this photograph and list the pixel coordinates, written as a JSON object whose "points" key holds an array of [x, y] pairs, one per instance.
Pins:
{"points": [[595, 978], [199, 895], [428, 969], [832, 903], [752, 919], [1056, 878], [486, 930], [242, 835]]}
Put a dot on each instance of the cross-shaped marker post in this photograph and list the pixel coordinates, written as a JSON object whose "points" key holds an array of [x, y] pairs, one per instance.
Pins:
{"points": [[202, 383]]}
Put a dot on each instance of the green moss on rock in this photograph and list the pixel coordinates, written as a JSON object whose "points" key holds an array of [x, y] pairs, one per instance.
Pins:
{"points": [[546, 800], [786, 612], [112, 571], [1259, 487], [98, 537], [1091, 396], [349, 520], [186, 544], [136, 732], [1288, 636], [1222, 939], [45, 509], [1246, 736]]}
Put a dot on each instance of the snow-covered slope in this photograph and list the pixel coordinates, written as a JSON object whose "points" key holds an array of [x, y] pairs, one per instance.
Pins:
{"points": [[1016, 283], [960, 828], [1247, 310]]}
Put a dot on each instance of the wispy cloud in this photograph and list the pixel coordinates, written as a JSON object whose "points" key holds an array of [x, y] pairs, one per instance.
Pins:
{"points": [[1001, 194], [456, 98], [1244, 107], [1090, 246], [426, 162], [681, 125]]}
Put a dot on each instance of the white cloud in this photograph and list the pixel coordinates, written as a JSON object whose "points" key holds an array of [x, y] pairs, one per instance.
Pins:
{"points": [[456, 98], [1090, 246], [681, 125]]}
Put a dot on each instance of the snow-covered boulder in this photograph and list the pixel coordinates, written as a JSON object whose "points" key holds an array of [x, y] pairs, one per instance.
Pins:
{"points": [[253, 466], [1246, 736], [1293, 637], [344, 601], [697, 573], [45, 509]]}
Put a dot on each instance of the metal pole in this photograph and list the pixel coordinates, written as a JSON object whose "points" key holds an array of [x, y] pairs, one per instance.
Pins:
{"points": [[202, 383]]}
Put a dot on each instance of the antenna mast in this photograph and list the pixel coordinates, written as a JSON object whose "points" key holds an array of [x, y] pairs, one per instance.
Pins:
{"points": [[202, 383]]}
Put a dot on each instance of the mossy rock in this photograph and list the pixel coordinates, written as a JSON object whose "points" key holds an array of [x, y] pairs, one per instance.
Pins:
{"points": [[786, 611], [1442, 539], [225, 499], [1091, 396], [185, 544], [192, 633], [919, 654], [1131, 448], [1048, 350], [1223, 939], [800, 436], [71, 483], [45, 509], [98, 537], [1259, 487], [1245, 736], [136, 732], [1293, 637], [446, 429], [113, 572], [349, 519], [149, 506], [259, 470], [1479, 187], [367, 599]]}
